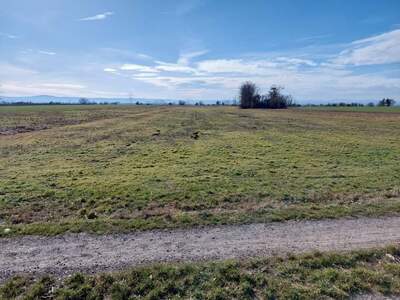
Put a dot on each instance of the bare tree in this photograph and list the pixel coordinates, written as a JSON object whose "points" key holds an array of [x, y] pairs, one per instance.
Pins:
{"points": [[248, 94]]}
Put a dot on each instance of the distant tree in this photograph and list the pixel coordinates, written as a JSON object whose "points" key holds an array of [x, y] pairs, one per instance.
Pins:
{"points": [[84, 101], [218, 102], [371, 104], [386, 102], [181, 102], [248, 95]]}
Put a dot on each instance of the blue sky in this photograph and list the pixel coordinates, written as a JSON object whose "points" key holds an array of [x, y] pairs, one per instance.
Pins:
{"points": [[200, 49]]}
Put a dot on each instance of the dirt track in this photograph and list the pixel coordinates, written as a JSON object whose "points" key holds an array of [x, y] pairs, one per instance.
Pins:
{"points": [[65, 254]]}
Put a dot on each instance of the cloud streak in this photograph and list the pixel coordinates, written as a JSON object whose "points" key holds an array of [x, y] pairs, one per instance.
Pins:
{"points": [[375, 50], [98, 17], [51, 53]]}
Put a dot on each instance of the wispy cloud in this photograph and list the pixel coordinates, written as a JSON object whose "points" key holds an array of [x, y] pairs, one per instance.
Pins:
{"points": [[186, 57], [379, 49], [9, 36], [110, 70], [61, 86], [40, 88], [305, 77], [98, 17], [313, 38], [138, 68], [46, 52], [10, 70]]}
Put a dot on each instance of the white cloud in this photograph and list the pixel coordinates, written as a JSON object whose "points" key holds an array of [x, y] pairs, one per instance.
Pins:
{"points": [[110, 70], [138, 68], [46, 52], [255, 67], [379, 49], [184, 58], [61, 86], [139, 75], [296, 61], [181, 66], [313, 38], [170, 67], [310, 81], [98, 17], [19, 88]]}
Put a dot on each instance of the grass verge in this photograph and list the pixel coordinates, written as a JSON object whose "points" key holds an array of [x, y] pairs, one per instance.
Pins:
{"points": [[314, 211], [311, 276]]}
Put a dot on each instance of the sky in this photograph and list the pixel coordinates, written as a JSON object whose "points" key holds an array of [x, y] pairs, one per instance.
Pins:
{"points": [[200, 49]]}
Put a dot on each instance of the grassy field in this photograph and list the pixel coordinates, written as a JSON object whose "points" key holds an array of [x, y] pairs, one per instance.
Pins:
{"points": [[312, 276], [393, 109], [121, 168]]}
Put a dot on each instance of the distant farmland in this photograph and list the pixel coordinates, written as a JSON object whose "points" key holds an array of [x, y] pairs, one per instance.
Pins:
{"points": [[118, 168]]}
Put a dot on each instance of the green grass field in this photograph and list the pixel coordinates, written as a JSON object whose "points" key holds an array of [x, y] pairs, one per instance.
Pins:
{"points": [[121, 168], [312, 276]]}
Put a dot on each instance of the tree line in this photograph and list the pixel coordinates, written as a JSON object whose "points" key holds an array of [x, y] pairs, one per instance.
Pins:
{"points": [[249, 97]]}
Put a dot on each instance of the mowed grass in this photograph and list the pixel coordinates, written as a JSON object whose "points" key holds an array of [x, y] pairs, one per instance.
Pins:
{"points": [[311, 276], [121, 168]]}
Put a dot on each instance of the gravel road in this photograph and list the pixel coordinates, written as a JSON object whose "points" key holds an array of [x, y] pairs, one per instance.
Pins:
{"points": [[65, 254]]}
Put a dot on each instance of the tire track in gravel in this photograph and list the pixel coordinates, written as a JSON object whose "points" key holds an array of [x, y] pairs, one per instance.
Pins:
{"points": [[66, 254]]}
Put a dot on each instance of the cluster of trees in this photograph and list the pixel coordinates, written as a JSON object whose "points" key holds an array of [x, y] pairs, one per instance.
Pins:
{"points": [[386, 102], [250, 98]]}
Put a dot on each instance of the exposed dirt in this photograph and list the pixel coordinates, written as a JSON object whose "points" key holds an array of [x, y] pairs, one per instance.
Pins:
{"points": [[62, 255], [19, 129]]}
